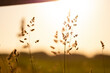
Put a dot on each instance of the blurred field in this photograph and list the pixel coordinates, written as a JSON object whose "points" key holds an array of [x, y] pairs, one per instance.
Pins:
{"points": [[54, 64]]}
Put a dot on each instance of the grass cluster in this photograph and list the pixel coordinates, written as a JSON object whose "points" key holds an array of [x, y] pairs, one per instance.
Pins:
{"points": [[48, 64], [67, 62]]}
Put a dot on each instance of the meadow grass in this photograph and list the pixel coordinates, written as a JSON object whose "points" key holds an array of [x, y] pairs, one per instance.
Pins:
{"points": [[67, 38], [26, 35], [103, 63], [50, 64], [67, 62]]}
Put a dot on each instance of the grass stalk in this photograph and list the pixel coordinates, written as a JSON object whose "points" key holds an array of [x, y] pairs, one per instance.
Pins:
{"points": [[30, 54], [67, 34], [103, 61], [65, 57], [26, 34], [103, 46]]}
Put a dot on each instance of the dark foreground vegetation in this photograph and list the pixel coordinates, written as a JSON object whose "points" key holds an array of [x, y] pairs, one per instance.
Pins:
{"points": [[43, 63]]}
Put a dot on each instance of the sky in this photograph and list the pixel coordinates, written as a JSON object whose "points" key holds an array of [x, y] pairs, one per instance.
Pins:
{"points": [[93, 25]]}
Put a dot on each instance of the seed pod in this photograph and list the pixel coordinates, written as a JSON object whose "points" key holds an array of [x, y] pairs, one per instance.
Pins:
{"points": [[68, 42], [52, 47], [56, 41], [76, 17], [54, 52], [56, 32], [69, 27], [32, 24], [10, 56], [28, 25], [71, 33], [15, 52], [67, 35], [77, 48], [63, 29], [70, 49], [36, 41], [61, 41], [64, 43], [102, 44], [56, 36], [25, 38], [74, 24], [75, 35], [33, 19], [21, 41], [32, 29], [71, 21], [76, 42]]}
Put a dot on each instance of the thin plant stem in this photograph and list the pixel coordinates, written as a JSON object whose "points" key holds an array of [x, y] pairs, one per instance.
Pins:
{"points": [[65, 57], [30, 54], [60, 60], [103, 61]]}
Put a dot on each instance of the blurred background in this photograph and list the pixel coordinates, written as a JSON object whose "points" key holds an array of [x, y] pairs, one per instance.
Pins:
{"points": [[93, 26]]}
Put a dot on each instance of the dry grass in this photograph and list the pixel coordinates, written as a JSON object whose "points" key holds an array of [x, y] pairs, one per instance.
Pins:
{"points": [[12, 60], [67, 38], [24, 36], [103, 46], [26, 40]]}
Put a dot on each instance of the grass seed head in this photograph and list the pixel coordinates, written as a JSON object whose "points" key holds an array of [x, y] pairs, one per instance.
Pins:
{"points": [[75, 35], [63, 29], [102, 44], [74, 24], [76, 17], [25, 38], [28, 25], [52, 47], [56, 41], [64, 43], [71, 21], [55, 53], [32, 29], [32, 24], [69, 50], [36, 41], [21, 41], [33, 19], [56, 36], [77, 48], [61, 41]]}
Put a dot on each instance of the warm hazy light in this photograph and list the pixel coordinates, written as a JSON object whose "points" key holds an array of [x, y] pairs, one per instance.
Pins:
{"points": [[93, 24]]}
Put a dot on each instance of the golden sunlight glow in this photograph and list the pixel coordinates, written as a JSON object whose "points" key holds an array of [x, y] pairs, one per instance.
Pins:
{"points": [[76, 4], [50, 17]]}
